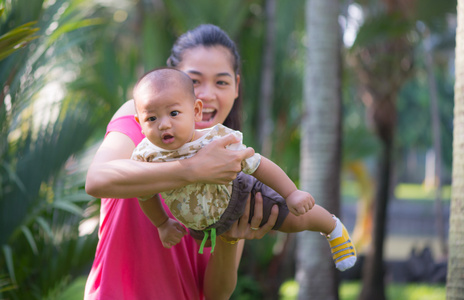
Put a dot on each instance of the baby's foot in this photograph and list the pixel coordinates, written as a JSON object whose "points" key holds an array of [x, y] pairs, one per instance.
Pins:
{"points": [[343, 252]]}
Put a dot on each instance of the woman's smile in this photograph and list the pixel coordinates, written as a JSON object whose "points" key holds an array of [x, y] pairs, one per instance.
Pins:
{"points": [[208, 114]]}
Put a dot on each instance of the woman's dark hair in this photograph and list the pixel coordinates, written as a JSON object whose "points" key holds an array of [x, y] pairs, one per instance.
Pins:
{"points": [[208, 35]]}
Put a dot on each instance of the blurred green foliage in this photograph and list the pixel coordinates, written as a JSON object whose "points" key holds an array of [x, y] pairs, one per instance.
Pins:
{"points": [[349, 290], [67, 65]]}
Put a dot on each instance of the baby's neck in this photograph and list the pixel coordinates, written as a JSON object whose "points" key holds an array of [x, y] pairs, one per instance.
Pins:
{"points": [[196, 135]]}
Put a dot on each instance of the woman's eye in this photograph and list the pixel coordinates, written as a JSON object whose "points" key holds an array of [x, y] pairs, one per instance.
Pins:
{"points": [[174, 113], [195, 81], [151, 119], [222, 83]]}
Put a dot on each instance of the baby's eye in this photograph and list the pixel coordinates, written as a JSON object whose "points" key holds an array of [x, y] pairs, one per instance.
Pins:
{"points": [[151, 119], [174, 113]]}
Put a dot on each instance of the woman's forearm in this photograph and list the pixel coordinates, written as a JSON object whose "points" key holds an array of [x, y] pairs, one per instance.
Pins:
{"points": [[125, 178], [221, 272], [113, 175]]}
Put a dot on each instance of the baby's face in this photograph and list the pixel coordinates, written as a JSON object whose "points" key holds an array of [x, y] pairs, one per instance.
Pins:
{"points": [[167, 116]]}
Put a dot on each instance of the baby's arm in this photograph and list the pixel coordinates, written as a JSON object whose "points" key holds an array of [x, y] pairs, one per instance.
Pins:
{"points": [[170, 231], [298, 202]]}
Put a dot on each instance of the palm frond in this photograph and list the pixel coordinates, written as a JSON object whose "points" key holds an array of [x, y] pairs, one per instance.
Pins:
{"points": [[43, 124], [17, 38], [8, 256]]}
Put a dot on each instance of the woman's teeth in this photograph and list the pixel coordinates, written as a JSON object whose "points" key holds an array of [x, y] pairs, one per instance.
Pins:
{"points": [[208, 114]]}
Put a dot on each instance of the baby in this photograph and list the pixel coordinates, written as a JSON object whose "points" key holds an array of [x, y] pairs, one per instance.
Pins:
{"points": [[167, 110]]}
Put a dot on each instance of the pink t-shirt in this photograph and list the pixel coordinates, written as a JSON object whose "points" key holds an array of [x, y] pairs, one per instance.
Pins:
{"points": [[130, 261]]}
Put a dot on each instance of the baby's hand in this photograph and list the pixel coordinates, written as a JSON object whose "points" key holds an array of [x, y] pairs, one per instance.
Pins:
{"points": [[299, 202], [171, 232]]}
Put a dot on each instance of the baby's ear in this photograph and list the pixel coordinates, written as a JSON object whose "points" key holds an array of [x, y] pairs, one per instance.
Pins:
{"points": [[198, 110], [136, 119]]}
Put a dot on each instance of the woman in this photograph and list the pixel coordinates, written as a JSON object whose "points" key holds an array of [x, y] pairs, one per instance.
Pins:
{"points": [[130, 261]]}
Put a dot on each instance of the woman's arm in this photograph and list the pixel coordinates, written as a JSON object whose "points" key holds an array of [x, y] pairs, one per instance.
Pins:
{"points": [[221, 272], [112, 174]]}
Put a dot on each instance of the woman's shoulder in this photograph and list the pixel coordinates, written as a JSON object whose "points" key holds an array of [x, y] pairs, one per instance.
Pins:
{"points": [[123, 121], [128, 108]]}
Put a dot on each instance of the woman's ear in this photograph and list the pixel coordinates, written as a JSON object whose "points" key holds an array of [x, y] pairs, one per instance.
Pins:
{"points": [[198, 110], [237, 85]]}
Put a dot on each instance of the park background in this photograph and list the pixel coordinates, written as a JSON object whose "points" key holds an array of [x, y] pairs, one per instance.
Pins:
{"points": [[353, 99]]}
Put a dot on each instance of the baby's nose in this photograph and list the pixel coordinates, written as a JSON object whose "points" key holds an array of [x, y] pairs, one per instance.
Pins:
{"points": [[164, 124]]}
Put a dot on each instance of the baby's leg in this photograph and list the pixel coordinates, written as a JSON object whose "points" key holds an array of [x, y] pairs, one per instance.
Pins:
{"points": [[319, 219]]}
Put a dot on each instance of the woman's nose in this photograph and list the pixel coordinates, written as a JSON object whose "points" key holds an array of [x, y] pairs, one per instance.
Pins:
{"points": [[205, 92]]}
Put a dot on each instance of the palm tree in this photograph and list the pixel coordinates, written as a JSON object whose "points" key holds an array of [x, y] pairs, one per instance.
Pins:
{"points": [[381, 84], [383, 56], [265, 123], [44, 121], [436, 137], [321, 144], [455, 278]]}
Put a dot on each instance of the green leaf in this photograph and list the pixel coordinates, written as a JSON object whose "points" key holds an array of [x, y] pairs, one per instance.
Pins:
{"points": [[27, 27], [45, 226], [16, 38], [79, 196], [381, 28], [9, 262], [68, 206], [30, 239], [13, 39], [13, 177], [71, 27], [5, 284]]}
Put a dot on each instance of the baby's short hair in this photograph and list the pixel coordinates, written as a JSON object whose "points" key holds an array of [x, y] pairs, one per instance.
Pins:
{"points": [[162, 78]]}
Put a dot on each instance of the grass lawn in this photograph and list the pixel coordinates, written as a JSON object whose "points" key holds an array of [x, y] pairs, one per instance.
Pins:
{"points": [[403, 191], [350, 291]]}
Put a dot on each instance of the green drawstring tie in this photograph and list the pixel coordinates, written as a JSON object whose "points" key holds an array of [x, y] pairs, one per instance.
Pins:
{"points": [[205, 238]]}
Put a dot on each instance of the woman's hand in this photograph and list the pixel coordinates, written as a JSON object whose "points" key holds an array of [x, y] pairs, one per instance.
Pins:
{"points": [[244, 230], [215, 164]]}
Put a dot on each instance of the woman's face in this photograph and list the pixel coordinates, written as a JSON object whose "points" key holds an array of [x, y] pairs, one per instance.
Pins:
{"points": [[214, 81]]}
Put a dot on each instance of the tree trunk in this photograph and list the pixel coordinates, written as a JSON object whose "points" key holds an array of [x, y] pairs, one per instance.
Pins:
{"points": [[373, 271], [381, 84], [455, 279], [265, 123], [436, 138], [320, 145]]}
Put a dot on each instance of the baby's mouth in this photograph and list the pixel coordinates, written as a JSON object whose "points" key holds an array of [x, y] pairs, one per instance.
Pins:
{"points": [[208, 114], [167, 138]]}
